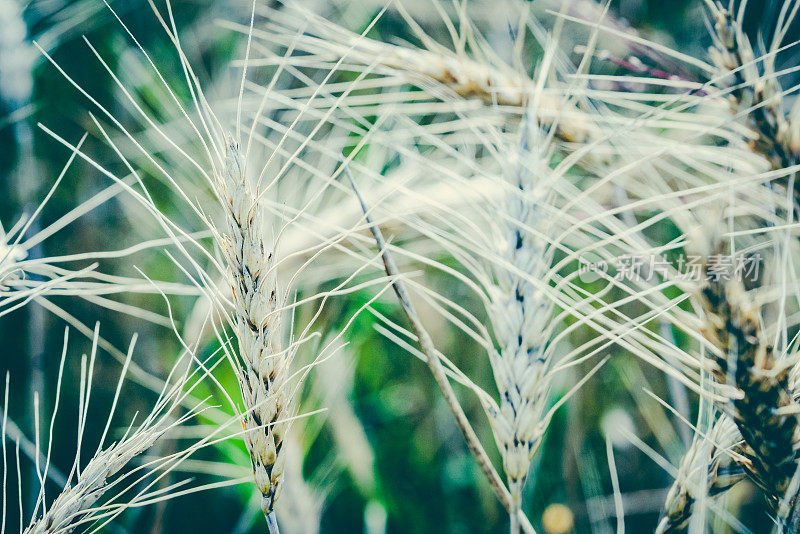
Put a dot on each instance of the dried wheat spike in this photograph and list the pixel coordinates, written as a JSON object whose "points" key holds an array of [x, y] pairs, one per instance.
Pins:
{"points": [[103, 476], [757, 98], [493, 83], [76, 502], [764, 410], [471, 79], [264, 371], [707, 470]]}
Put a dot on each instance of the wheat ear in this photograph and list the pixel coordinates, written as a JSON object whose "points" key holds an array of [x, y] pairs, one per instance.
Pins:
{"points": [[757, 98], [440, 375], [491, 83], [76, 504], [706, 470], [763, 408], [520, 310], [263, 375]]}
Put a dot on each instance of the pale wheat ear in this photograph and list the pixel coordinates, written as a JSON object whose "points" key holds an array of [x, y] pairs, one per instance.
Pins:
{"points": [[316, 49], [84, 487], [532, 202], [705, 471], [451, 72], [536, 200], [709, 467], [440, 376], [259, 303], [262, 366], [264, 359]]}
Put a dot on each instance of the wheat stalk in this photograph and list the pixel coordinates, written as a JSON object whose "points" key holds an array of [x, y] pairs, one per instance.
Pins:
{"points": [[508, 249], [76, 501]]}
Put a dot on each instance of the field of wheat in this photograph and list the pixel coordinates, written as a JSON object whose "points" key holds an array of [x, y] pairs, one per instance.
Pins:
{"points": [[400, 266]]}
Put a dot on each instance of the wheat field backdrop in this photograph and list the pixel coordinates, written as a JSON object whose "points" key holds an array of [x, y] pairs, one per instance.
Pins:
{"points": [[400, 266]]}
